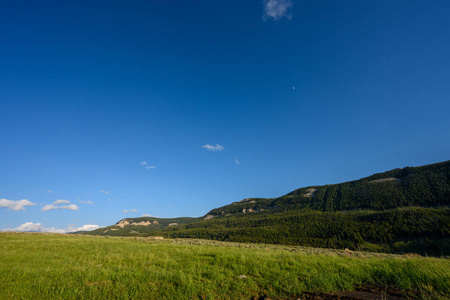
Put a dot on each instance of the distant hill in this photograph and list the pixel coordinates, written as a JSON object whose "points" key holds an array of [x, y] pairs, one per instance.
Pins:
{"points": [[403, 210], [138, 226], [425, 186]]}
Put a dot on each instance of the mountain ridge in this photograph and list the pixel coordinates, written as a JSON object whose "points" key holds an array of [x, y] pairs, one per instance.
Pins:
{"points": [[404, 210], [400, 187]]}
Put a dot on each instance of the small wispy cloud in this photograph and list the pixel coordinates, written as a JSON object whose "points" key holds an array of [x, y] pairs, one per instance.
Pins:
{"points": [[38, 227], [105, 192], [146, 166], [217, 147], [61, 202], [277, 9], [15, 204], [54, 207], [50, 191], [131, 210], [85, 202], [236, 161], [146, 215]]}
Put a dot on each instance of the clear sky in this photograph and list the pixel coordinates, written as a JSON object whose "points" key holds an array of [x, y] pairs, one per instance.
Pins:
{"points": [[115, 109]]}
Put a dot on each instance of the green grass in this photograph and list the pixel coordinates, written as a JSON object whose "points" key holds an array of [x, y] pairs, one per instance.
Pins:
{"points": [[44, 266]]}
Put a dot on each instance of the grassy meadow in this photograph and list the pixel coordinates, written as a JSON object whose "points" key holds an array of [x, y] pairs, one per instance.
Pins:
{"points": [[51, 266]]}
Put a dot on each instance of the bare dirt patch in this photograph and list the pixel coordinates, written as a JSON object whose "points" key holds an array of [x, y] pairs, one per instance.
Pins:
{"points": [[385, 180]]}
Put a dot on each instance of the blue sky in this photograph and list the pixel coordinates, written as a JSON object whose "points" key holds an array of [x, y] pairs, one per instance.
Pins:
{"points": [[115, 109]]}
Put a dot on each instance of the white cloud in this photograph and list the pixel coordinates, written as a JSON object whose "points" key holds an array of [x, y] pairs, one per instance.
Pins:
{"points": [[37, 227], [59, 201], [88, 227], [15, 205], [104, 192], [236, 161], [143, 163], [217, 147], [85, 202], [49, 207], [50, 191], [34, 227], [131, 210], [53, 207], [70, 206], [149, 215], [150, 167], [277, 9]]}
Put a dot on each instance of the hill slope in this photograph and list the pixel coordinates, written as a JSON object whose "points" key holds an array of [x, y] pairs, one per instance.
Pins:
{"points": [[137, 226], [403, 230], [425, 186], [402, 210]]}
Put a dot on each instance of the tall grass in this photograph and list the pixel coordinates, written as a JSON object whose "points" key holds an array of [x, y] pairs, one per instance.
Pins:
{"points": [[39, 266]]}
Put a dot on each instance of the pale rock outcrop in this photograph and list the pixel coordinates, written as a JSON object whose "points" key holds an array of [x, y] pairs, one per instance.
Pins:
{"points": [[310, 192], [143, 223], [124, 223]]}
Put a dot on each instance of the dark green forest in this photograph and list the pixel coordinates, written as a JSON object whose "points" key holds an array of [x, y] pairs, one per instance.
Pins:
{"points": [[413, 229]]}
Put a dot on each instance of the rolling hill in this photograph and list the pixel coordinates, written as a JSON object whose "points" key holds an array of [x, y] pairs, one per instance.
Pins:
{"points": [[402, 210], [137, 226], [425, 186]]}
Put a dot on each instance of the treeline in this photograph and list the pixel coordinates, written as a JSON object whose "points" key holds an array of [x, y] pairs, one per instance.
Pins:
{"points": [[426, 186], [417, 230]]}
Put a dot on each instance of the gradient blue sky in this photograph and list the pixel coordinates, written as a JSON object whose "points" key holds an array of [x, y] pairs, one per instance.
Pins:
{"points": [[110, 105]]}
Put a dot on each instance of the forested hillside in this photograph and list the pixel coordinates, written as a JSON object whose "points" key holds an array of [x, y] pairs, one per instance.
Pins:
{"points": [[404, 230], [425, 186], [401, 211]]}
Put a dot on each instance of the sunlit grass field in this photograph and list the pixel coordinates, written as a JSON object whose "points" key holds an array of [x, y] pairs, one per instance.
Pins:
{"points": [[50, 266]]}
